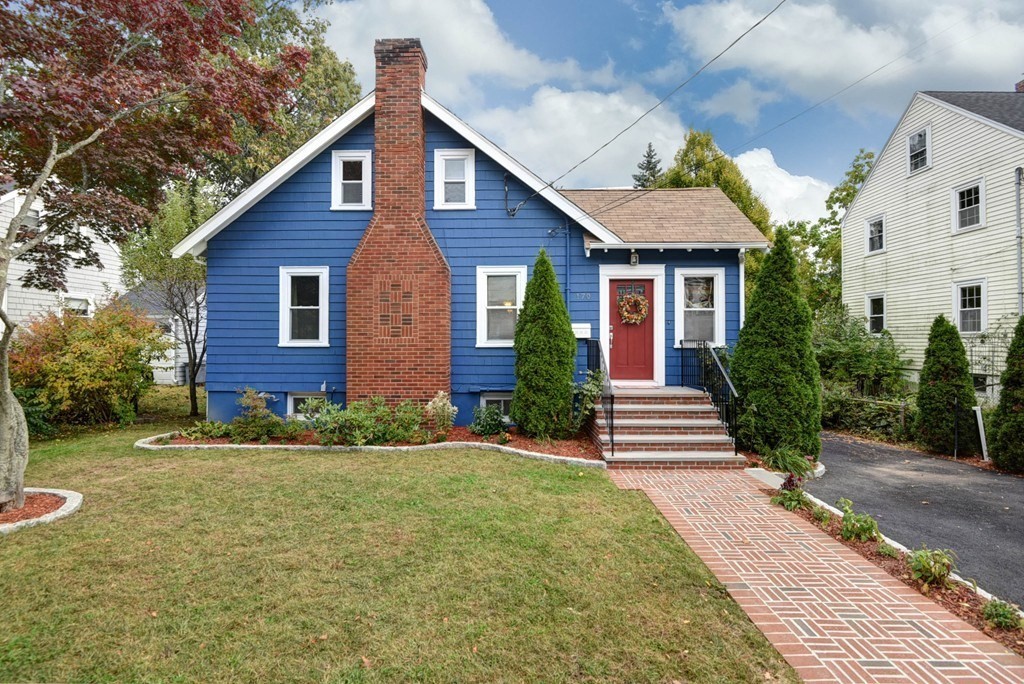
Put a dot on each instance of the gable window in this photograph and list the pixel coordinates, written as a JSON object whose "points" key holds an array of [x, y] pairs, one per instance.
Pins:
{"points": [[700, 305], [876, 313], [303, 306], [351, 172], [969, 206], [919, 154], [297, 403], [499, 297], [455, 179], [875, 228], [970, 304]]}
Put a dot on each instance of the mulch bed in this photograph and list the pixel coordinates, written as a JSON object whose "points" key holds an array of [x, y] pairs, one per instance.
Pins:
{"points": [[957, 599], [576, 447], [36, 506]]}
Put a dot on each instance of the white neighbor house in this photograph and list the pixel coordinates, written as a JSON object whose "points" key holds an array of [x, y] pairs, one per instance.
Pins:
{"points": [[87, 288], [933, 229]]}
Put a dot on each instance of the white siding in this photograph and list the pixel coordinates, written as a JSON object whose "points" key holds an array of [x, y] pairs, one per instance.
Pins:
{"points": [[923, 257]]}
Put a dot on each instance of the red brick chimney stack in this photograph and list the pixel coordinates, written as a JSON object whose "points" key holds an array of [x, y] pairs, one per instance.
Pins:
{"points": [[398, 286], [1019, 87]]}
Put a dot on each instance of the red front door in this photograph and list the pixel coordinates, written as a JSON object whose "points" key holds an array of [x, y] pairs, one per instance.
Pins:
{"points": [[631, 344]]}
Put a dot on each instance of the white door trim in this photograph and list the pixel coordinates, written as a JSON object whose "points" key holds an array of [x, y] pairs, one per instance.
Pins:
{"points": [[656, 272]]}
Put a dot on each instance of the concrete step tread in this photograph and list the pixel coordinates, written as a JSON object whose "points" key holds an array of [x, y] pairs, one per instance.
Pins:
{"points": [[674, 456], [657, 392], [662, 422], [620, 406], [666, 439]]}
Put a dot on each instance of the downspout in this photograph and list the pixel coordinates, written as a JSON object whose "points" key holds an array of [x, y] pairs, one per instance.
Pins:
{"points": [[568, 258], [1020, 259], [743, 286]]}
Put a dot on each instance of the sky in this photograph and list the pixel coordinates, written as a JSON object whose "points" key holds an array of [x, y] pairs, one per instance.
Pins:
{"points": [[550, 81]]}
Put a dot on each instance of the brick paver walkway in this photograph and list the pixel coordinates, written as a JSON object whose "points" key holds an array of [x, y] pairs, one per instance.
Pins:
{"points": [[835, 616]]}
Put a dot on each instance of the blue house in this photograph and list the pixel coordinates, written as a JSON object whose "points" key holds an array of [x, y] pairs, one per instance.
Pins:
{"points": [[388, 256]]}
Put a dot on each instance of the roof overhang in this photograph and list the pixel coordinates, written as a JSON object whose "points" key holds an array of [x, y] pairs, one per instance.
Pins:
{"points": [[662, 246]]}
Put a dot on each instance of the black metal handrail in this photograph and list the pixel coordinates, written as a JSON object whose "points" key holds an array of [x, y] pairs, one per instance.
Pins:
{"points": [[702, 369], [596, 362]]}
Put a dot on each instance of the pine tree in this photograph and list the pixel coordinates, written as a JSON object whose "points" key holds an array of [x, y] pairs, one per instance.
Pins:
{"points": [[1008, 429], [545, 349], [774, 367], [944, 390], [649, 168]]}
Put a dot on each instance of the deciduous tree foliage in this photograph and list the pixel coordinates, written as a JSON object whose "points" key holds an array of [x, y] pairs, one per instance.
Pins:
{"points": [[545, 346], [774, 366], [945, 390], [1008, 430], [100, 103]]}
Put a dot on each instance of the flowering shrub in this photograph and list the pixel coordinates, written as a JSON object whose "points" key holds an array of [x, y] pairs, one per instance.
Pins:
{"points": [[442, 413]]}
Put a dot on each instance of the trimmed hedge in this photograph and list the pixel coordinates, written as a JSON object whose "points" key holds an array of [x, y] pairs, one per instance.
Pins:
{"points": [[1008, 420], [945, 390]]}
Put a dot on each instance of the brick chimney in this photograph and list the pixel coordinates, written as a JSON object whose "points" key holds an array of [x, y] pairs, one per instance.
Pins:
{"points": [[398, 289]]}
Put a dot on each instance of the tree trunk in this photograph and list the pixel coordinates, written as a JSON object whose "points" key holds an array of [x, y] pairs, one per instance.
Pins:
{"points": [[13, 429], [193, 398]]}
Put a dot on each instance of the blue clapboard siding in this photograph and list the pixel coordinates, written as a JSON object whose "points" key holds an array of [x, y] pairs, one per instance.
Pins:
{"points": [[293, 226]]}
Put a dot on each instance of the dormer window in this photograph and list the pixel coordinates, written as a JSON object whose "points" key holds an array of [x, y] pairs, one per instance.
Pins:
{"points": [[351, 172], [919, 154], [454, 179]]}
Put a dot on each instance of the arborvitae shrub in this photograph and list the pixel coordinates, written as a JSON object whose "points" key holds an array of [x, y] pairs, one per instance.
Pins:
{"points": [[545, 346], [1008, 422], [945, 389], [774, 366]]}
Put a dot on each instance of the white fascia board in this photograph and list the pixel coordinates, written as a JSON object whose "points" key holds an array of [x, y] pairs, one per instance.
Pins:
{"points": [[195, 243], [678, 245], [4, 199], [531, 180]]}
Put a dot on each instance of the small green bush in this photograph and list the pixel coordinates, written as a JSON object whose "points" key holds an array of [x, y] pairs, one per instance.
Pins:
{"points": [[1002, 614], [1008, 421], [38, 413], [406, 422], [487, 421], [587, 394], [848, 354], [786, 459], [842, 408], [366, 423], [888, 550], [207, 430], [441, 413], [945, 389], [822, 515], [256, 421], [931, 566], [859, 526], [792, 499]]}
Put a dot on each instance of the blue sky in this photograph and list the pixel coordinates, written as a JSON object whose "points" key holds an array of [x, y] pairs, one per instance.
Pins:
{"points": [[551, 81]]}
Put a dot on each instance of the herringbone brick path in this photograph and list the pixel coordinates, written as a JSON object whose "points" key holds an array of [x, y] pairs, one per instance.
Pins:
{"points": [[835, 616]]}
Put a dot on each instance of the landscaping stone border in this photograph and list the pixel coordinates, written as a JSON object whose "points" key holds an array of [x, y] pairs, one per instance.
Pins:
{"points": [[72, 502], [151, 444]]}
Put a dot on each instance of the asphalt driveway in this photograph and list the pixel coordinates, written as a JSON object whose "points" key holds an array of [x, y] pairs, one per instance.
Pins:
{"points": [[921, 499]]}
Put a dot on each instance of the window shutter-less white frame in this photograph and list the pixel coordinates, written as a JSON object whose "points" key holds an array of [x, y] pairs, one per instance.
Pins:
{"points": [[440, 158], [337, 158], [285, 298], [482, 272]]}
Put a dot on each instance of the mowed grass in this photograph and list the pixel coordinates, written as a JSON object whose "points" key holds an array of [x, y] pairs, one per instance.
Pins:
{"points": [[459, 565]]}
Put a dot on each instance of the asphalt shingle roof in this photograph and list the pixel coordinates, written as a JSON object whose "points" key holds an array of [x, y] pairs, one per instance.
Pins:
{"points": [[1002, 107], [687, 215]]}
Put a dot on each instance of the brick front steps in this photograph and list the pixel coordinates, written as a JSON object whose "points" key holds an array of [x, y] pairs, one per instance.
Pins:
{"points": [[662, 428]]}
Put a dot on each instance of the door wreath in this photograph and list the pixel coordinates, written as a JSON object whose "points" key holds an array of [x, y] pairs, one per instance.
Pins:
{"points": [[633, 308]]}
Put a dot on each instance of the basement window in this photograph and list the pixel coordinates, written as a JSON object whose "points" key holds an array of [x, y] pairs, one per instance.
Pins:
{"points": [[303, 306], [455, 179], [503, 400], [297, 403], [351, 172]]}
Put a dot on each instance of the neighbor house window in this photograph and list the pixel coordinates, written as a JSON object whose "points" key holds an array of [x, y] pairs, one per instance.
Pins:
{"points": [[503, 400], [304, 311], [876, 234], [700, 305], [297, 403], [454, 179], [876, 313], [919, 149], [499, 296], [969, 206], [351, 172], [969, 305], [77, 306], [980, 383]]}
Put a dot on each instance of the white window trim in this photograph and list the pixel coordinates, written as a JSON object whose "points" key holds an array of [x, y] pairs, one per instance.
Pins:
{"points": [[928, 149], [284, 300], [440, 156], [885, 309], [984, 304], [339, 156], [867, 235], [955, 206], [719, 275], [292, 396], [481, 300], [655, 272], [90, 302], [484, 396]]}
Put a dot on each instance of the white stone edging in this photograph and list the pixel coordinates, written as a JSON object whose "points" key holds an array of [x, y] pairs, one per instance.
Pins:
{"points": [[72, 502], [773, 479], [150, 443]]}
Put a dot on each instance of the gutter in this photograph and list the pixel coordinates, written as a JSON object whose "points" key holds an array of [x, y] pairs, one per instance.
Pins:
{"points": [[688, 246]]}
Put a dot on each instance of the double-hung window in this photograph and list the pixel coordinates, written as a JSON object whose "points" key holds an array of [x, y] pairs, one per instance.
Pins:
{"points": [[700, 305], [77, 305], [876, 313], [351, 173], [875, 229], [455, 179], [919, 155], [499, 297], [970, 304], [969, 206], [304, 311]]}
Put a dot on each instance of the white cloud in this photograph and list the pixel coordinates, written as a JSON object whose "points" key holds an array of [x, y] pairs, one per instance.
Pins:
{"points": [[742, 101], [788, 197], [557, 129], [815, 47], [462, 40]]}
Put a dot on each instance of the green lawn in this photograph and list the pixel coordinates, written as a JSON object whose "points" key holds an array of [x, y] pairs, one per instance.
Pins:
{"points": [[283, 566]]}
